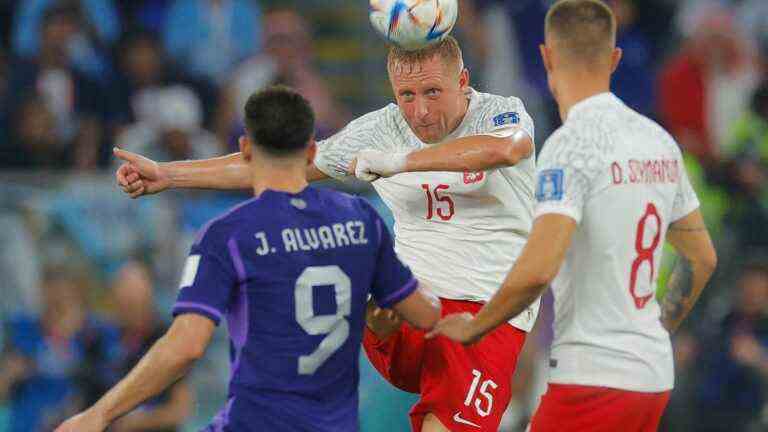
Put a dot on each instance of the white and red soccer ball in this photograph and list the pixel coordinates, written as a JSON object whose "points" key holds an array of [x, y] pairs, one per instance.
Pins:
{"points": [[414, 24]]}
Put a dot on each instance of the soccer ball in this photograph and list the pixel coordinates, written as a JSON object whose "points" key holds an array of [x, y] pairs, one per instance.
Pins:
{"points": [[414, 24]]}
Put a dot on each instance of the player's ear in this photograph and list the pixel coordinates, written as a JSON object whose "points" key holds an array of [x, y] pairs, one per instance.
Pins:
{"points": [[464, 79], [311, 151], [616, 58], [546, 57], [245, 147]]}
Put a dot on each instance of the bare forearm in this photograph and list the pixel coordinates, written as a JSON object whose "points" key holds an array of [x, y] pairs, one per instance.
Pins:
{"points": [[226, 172], [170, 414], [157, 370], [474, 153], [686, 283]]}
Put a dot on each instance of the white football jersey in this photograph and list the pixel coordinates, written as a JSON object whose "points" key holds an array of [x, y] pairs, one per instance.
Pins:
{"points": [[620, 176], [459, 232]]}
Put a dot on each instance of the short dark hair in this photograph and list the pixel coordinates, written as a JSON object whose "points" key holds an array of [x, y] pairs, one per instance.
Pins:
{"points": [[584, 29], [279, 120]]}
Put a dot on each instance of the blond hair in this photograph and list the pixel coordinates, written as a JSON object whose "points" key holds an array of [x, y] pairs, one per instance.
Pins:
{"points": [[584, 30], [447, 50]]}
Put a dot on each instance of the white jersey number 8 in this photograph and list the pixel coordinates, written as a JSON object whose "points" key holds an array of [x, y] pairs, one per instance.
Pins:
{"points": [[335, 326]]}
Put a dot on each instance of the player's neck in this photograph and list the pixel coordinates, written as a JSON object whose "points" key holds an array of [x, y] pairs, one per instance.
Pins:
{"points": [[279, 177], [577, 87], [460, 119]]}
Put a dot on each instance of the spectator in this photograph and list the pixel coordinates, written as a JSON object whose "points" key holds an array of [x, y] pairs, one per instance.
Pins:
{"points": [[20, 269], [139, 328], [170, 127], [144, 15], [734, 390], [143, 71], [706, 85], [287, 59], [37, 144], [506, 36], [209, 37], [50, 361], [97, 27], [747, 161], [72, 100]]}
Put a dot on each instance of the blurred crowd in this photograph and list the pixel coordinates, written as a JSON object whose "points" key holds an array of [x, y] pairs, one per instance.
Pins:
{"points": [[88, 275]]}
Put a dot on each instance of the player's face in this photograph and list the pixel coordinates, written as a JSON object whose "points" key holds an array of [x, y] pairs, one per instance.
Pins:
{"points": [[431, 96]]}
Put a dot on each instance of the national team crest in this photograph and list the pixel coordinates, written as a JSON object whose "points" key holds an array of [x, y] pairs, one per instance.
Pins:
{"points": [[509, 118], [473, 177], [550, 186]]}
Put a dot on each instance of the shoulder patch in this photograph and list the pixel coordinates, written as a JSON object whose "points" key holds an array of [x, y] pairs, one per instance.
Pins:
{"points": [[506, 118], [550, 185], [190, 271]]}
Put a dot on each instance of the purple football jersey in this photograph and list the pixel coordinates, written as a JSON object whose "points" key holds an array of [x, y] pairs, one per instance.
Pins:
{"points": [[291, 273]]}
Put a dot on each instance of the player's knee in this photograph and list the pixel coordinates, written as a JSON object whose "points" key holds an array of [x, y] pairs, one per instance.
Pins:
{"points": [[433, 424]]}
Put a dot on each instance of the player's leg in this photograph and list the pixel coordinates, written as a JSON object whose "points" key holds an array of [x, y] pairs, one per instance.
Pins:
{"points": [[393, 348], [433, 424], [598, 409], [467, 388]]}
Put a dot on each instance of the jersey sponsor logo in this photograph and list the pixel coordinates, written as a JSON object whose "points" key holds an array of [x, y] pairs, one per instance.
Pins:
{"points": [[458, 419], [506, 118], [190, 271], [473, 177], [550, 187]]}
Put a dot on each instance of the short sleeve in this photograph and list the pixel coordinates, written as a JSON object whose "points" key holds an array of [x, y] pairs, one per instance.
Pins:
{"points": [[371, 131], [392, 280], [502, 116], [566, 168], [685, 200], [207, 281]]}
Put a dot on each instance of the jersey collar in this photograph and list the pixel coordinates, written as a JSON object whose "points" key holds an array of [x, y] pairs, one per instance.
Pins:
{"points": [[271, 192], [592, 101]]}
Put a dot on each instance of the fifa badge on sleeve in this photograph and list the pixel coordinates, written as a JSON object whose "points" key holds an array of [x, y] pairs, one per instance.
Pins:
{"points": [[550, 185]]}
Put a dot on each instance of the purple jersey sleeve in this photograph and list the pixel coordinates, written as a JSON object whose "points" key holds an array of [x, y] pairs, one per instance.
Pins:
{"points": [[207, 281], [392, 280]]}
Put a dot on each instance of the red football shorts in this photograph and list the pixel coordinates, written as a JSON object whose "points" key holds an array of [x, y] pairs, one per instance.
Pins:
{"points": [[576, 408], [466, 388]]}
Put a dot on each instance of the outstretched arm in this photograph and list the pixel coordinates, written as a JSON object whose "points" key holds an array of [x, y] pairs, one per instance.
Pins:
{"points": [[169, 414], [139, 175], [167, 361], [697, 262], [472, 153]]}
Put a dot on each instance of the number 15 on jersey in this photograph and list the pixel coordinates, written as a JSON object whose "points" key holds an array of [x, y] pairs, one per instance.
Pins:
{"points": [[442, 205]]}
